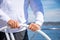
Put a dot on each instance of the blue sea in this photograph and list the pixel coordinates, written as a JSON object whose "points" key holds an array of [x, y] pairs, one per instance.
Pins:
{"points": [[53, 34]]}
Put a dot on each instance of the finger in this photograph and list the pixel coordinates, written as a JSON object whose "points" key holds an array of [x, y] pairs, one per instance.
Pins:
{"points": [[15, 24], [32, 29], [18, 25], [30, 26], [12, 24], [9, 23], [36, 26]]}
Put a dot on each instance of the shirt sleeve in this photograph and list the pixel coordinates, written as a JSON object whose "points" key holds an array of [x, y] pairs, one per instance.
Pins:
{"points": [[4, 16], [37, 8]]}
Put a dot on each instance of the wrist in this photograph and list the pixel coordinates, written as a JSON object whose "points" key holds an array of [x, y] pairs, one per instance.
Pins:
{"points": [[39, 23]]}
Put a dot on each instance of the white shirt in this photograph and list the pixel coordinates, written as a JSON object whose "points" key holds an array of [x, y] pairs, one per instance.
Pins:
{"points": [[14, 9]]}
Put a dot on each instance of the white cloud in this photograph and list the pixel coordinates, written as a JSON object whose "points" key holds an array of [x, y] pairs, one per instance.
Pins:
{"points": [[52, 15]]}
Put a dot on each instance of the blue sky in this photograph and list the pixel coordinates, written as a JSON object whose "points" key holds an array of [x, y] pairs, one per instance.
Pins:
{"points": [[51, 4], [51, 11]]}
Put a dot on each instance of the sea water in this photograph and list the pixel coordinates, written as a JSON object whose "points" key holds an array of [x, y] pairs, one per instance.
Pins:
{"points": [[53, 34]]}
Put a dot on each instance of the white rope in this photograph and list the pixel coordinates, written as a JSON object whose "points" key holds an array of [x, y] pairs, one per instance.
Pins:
{"points": [[43, 34], [39, 31], [7, 35], [12, 36], [24, 25], [5, 29]]}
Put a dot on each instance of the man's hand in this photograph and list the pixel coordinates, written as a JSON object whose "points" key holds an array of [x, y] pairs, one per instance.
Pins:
{"points": [[13, 24], [34, 27]]}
